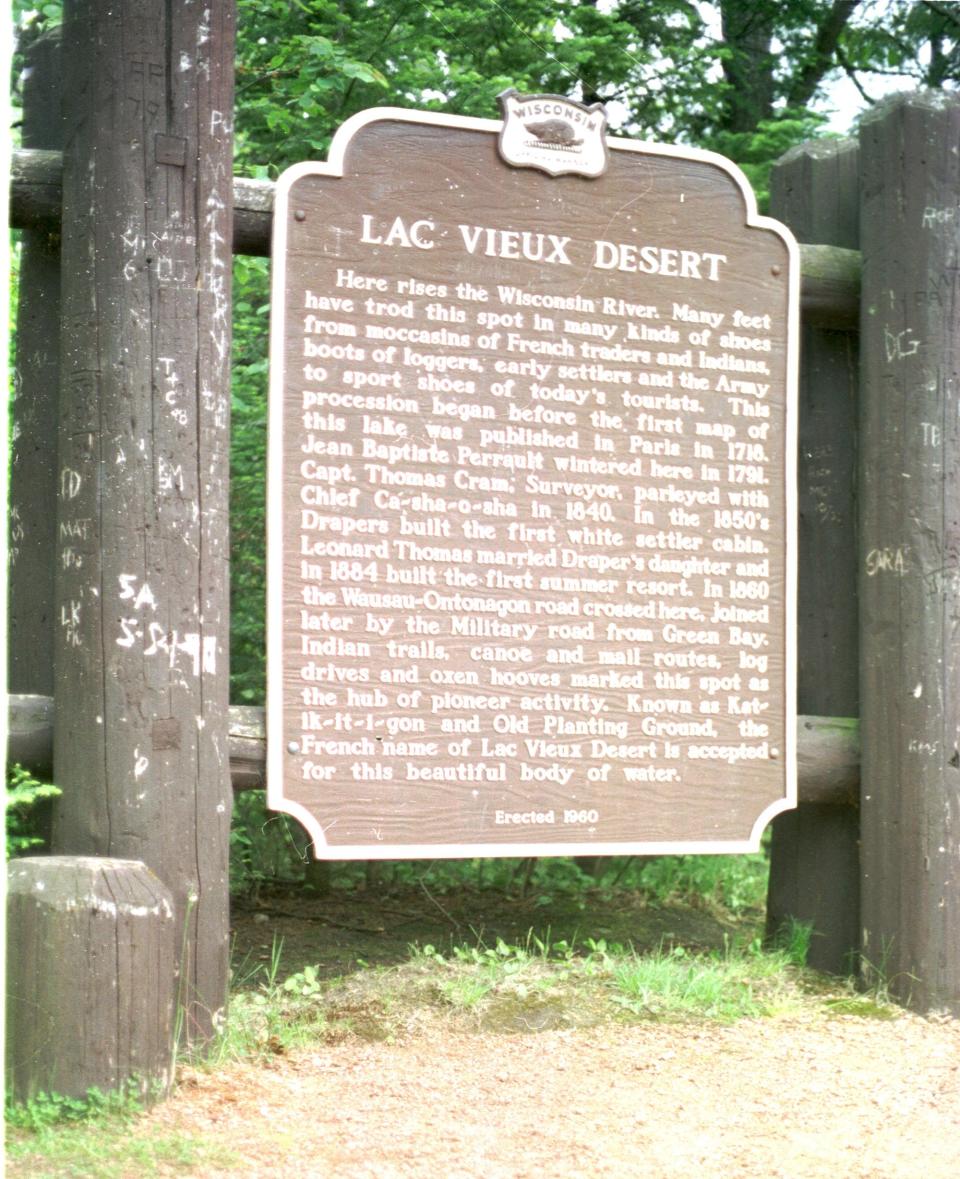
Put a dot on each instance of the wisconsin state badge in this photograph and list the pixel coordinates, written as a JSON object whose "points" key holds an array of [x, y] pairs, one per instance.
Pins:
{"points": [[554, 134]]}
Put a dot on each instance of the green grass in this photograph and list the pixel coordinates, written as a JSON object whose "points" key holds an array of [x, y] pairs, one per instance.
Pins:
{"points": [[267, 1016], [102, 1149], [53, 1135], [675, 985], [596, 982]]}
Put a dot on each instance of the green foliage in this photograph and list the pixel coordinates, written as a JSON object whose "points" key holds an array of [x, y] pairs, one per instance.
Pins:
{"points": [[305, 984], [268, 1016], [675, 984], [53, 1109], [758, 150], [269, 848], [36, 17], [300, 68], [666, 68], [735, 883], [24, 794], [793, 941], [918, 43], [95, 1137], [265, 847], [251, 310]]}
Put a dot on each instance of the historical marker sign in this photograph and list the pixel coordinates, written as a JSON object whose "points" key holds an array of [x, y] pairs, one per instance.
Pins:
{"points": [[532, 438]]}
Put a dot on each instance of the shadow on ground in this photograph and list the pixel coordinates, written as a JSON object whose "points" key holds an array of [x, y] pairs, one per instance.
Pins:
{"points": [[341, 931]]}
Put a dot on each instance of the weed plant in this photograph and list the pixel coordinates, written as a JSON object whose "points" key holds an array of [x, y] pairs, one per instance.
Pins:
{"points": [[671, 983], [54, 1109], [93, 1138], [26, 797], [268, 1015], [265, 848]]}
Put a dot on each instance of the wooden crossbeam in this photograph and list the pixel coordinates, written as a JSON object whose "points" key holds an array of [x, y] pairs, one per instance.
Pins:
{"points": [[830, 276], [828, 749]]}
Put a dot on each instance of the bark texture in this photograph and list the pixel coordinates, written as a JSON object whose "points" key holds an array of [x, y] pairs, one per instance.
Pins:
{"points": [[140, 747]]}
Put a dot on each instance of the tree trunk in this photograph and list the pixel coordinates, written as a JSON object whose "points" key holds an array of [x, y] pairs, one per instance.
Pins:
{"points": [[814, 865], [140, 746], [90, 995], [910, 548], [33, 453], [748, 64]]}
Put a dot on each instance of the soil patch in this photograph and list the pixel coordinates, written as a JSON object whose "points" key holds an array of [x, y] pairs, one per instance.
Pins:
{"points": [[344, 931]]}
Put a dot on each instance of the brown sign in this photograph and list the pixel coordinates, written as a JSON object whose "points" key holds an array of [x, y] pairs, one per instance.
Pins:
{"points": [[531, 509]]}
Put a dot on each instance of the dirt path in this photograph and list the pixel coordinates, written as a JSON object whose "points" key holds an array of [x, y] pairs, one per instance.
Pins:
{"points": [[796, 1098], [405, 1087]]}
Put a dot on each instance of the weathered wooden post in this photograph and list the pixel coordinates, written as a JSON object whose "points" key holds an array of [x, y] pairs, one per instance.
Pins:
{"points": [[140, 747], [910, 548], [814, 870], [33, 460], [73, 923]]}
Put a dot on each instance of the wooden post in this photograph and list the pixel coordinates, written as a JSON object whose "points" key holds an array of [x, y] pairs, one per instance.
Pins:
{"points": [[90, 998], [814, 869], [910, 547], [140, 746], [828, 749], [33, 456]]}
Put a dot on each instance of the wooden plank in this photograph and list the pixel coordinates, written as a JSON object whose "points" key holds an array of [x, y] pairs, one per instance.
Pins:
{"points": [[32, 518], [830, 291], [828, 749], [140, 746], [910, 548], [36, 189], [814, 869], [828, 761], [252, 216], [90, 996], [36, 193], [830, 280], [30, 733]]}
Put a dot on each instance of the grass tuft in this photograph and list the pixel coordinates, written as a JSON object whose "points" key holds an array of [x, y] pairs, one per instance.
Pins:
{"points": [[675, 985], [93, 1137], [268, 1017]]}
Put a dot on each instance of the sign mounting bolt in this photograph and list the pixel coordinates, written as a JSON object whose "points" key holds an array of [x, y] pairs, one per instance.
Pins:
{"points": [[293, 747], [299, 215]]}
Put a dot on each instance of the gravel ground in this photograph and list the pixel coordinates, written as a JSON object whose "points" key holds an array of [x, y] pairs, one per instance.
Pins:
{"points": [[789, 1097]]}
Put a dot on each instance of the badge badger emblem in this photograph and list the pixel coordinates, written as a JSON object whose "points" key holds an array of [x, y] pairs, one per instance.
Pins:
{"points": [[555, 131]]}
